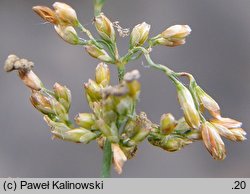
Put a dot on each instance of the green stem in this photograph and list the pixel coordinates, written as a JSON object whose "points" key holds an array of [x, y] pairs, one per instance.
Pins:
{"points": [[88, 33], [121, 71], [109, 47], [98, 4], [126, 58], [84, 30], [107, 151], [170, 73], [107, 159]]}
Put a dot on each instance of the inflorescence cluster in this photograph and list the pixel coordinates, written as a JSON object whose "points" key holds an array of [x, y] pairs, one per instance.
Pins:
{"points": [[113, 122]]}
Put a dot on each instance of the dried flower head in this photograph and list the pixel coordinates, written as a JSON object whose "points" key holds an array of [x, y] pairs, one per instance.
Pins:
{"points": [[119, 158], [132, 75], [46, 13], [23, 66], [13, 62], [62, 14], [123, 32]]}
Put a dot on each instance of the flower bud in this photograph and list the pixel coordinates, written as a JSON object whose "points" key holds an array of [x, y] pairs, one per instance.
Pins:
{"points": [[119, 158], [167, 42], [59, 110], [139, 34], [65, 14], [63, 95], [79, 135], [102, 74], [101, 141], [130, 152], [67, 33], [42, 103], [169, 143], [46, 13], [174, 143], [229, 128], [62, 131], [111, 132], [130, 128], [109, 106], [176, 32], [167, 123], [92, 90], [98, 53], [207, 102], [124, 105], [134, 89], [182, 126], [227, 122], [173, 36], [57, 127], [141, 134], [213, 141], [85, 120], [187, 104], [193, 135], [96, 107], [105, 27], [48, 105], [239, 134], [225, 132], [110, 116], [142, 129], [132, 83]]}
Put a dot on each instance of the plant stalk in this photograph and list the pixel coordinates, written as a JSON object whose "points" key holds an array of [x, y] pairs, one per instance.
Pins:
{"points": [[107, 159], [107, 150], [121, 71]]}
